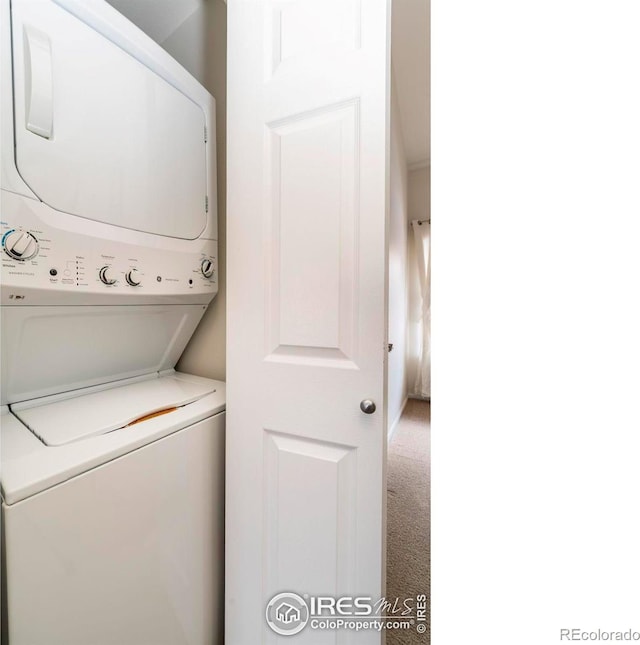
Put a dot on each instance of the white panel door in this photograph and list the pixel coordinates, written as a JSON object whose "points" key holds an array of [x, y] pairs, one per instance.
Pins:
{"points": [[308, 123], [100, 135]]}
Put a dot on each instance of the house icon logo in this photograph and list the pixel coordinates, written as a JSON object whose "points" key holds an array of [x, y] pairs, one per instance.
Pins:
{"points": [[287, 614]]}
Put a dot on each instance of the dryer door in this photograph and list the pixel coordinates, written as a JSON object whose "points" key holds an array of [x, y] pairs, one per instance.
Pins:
{"points": [[100, 135]]}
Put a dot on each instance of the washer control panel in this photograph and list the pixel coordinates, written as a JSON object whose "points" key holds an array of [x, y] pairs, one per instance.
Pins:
{"points": [[36, 257]]}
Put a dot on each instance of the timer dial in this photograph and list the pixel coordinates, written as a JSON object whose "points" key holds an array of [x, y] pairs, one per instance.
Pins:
{"points": [[133, 278], [20, 245], [207, 268], [106, 275]]}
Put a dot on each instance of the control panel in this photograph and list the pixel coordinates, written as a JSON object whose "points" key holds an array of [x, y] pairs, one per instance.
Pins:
{"points": [[37, 258]]}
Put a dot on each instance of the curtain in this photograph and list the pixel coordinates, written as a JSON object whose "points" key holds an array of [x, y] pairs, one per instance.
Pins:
{"points": [[422, 239]]}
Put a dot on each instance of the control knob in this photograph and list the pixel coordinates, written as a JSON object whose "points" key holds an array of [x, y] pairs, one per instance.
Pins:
{"points": [[20, 245], [133, 278], [207, 268], [106, 275]]}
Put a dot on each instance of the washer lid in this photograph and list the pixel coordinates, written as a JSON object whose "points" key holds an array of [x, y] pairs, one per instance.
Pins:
{"points": [[118, 408]]}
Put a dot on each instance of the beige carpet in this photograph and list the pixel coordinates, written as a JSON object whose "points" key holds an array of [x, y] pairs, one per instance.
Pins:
{"points": [[408, 515]]}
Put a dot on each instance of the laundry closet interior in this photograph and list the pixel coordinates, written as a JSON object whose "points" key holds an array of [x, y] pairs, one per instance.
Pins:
{"points": [[212, 310]]}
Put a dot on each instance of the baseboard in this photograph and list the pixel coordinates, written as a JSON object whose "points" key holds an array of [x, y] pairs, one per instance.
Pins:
{"points": [[394, 425]]}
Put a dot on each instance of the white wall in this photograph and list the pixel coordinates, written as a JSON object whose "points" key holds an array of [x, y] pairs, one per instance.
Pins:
{"points": [[419, 197], [419, 189], [396, 373], [194, 32]]}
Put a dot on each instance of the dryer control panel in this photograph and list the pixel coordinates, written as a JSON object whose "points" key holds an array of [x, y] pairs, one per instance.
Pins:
{"points": [[40, 264]]}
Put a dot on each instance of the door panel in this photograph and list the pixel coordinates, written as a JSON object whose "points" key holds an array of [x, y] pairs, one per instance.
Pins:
{"points": [[319, 28], [317, 483], [98, 133], [312, 218], [308, 113]]}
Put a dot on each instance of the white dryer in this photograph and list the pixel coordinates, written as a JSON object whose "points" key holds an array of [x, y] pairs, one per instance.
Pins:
{"points": [[112, 463]]}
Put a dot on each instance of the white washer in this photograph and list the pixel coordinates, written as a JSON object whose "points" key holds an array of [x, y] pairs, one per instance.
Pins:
{"points": [[112, 462], [115, 537]]}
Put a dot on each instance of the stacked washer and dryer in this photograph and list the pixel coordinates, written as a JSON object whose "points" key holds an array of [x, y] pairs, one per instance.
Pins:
{"points": [[112, 462]]}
